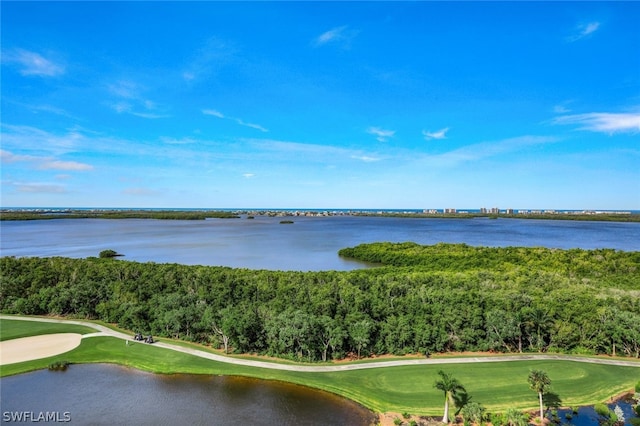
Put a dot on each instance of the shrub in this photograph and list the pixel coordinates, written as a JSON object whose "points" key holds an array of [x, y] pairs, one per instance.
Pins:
{"points": [[638, 387], [397, 421], [495, 419], [602, 410], [635, 421], [406, 415], [473, 412], [58, 366], [414, 423]]}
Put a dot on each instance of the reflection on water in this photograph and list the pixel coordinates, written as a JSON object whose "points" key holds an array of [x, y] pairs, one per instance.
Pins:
{"points": [[111, 395]]}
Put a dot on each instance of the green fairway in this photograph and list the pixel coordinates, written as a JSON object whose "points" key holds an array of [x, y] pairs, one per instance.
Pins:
{"points": [[496, 385], [13, 329]]}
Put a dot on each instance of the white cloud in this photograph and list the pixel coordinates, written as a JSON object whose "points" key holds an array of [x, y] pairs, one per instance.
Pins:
{"points": [[342, 35], [174, 141], [213, 112], [251, 125], [248, 175], [583, 31], [125, 89], [331, 35], [365, 158], [239, 121], [64, 165], [36, 187], [32, 63], [131, 101], [44, 163], [603, 122], [482, 150], [149, 115], [30, 138], [561, 109], [8, 157], [440, 134], [382, 135]]}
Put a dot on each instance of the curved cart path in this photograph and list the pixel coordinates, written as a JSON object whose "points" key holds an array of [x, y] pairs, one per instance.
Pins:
{"points": [[105, 331]]}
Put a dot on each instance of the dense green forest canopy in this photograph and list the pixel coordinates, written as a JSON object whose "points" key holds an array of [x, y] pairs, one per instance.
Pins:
{"points": [[446, 297]]}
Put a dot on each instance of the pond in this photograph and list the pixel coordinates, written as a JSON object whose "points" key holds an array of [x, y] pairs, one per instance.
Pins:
{"points": [[100, 394], [587, 416]]}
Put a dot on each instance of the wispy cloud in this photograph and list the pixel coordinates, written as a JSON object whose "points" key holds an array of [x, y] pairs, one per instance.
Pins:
{"points": [[144, 192], [37, 140], [584, 30], [131, 100], [561, 109], [366, 158], [38, 187], [340, 35], [213, 112], [439, 134], [248, 175], [32, 63], [44, 163], [483, 150], [327, 154], [64, 165], [211, 57], [218, 114], [174, 141], [382, 135], [603, 122], [149, 115]]}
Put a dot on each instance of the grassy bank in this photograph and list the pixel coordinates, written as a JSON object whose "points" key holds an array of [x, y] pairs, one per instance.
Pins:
{"points": [[399, 389]]}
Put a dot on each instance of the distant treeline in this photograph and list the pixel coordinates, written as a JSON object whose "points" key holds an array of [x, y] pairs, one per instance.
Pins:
{"points": [[117, 214], [10, 214], [429, 299]]}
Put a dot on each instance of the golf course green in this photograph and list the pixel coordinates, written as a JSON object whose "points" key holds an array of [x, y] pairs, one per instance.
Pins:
{"points": [[496, 385]]}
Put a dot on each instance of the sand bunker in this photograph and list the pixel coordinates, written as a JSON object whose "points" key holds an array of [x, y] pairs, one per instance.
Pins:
{"points": [[36, 347]]}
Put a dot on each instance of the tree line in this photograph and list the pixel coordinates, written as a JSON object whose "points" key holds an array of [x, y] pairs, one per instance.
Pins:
{"points": [[428, 299], [119, 214]]}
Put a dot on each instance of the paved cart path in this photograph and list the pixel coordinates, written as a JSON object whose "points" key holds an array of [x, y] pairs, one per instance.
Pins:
{"points": [[106, 331]]}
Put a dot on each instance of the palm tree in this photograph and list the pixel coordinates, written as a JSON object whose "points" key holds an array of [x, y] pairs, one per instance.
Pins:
{"points": [[540, 382], [450, 386]]}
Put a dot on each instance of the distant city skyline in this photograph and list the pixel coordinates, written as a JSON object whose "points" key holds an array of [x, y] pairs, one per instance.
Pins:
{"points": [[321, 105]]}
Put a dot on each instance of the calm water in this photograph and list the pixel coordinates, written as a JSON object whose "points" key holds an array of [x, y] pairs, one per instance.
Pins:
{"points": [[111, 395], [587, 416], [311, 243]]}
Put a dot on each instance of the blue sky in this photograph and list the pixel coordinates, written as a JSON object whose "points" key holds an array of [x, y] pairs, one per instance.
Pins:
{"points": [[321, 105]]}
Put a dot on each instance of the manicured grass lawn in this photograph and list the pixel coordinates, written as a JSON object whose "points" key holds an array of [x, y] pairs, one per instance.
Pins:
{"points": [[410, 389], [13, 329]]}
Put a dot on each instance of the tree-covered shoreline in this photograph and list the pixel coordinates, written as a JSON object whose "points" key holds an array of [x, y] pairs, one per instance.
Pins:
{"points": [[428, 299], [177, 214], [118, 214]]}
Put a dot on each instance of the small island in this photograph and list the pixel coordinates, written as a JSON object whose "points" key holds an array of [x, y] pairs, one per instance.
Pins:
{"points": [[108, 254]]}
